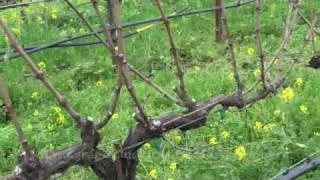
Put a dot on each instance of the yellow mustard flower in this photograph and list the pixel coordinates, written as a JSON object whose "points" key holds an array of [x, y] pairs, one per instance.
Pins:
{"points": [[36, 113], [42, 66], [258, 126], [99, 83], [35, 96], [250, 52], [186, 156], [60, 119], [303, 109], [257, 73], [153, 173], [213, 141], [299, 82], [225, 135], [115, 116], [173, 166], [147, 145], [177, 139], [240, 153], [287, 94]]}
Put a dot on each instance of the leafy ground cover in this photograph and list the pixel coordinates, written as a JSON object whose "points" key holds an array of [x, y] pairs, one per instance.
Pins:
{"points": [[254, 143]]}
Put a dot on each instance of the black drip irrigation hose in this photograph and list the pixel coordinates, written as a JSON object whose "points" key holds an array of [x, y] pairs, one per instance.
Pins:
{"points": [[302, 167], [10, 6], [63, 42]]}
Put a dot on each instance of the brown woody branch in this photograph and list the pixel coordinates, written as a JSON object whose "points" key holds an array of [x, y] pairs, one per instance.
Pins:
{"points": [[83, 154], [311, 25], [236, 75], [259, 43], [312, 30], [123, 67], [110, 47], [112, 107], [155, 86], [40, 75], [7, 101], [181, 90], [108, 44], [128, 156], [104, 25], [291, 22], [86, 154], [124, 167]]}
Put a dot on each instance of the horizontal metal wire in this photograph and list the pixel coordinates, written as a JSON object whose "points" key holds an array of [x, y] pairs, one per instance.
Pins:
{"points": [[10, 6], [62, 43]]}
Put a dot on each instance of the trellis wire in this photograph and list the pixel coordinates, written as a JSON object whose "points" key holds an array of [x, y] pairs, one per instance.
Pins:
{"points": [[10, 6], [59, 43]]}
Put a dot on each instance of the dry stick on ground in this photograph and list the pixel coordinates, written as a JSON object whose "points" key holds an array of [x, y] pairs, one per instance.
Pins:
{"points": [[259, 43], [181, 90], [41, 76], [232, 54], [7, 101]]}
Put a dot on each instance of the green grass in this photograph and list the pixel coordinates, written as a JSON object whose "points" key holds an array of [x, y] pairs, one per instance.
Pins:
{"points": [[76, 71]]}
